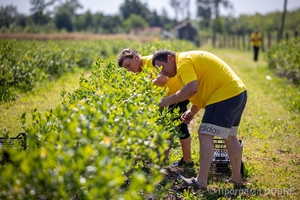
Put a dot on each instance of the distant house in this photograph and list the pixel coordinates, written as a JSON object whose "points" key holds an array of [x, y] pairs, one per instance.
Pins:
{"points": [[185, 31]]}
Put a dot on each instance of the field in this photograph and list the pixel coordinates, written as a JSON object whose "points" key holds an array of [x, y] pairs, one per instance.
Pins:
{"points": [[269, 130], [145, 36]]}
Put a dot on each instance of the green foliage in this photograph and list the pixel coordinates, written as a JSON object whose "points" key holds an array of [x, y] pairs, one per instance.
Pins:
{"points": [[63, 20], [105, 141], [268, 23], [135, 7], [284, 58], [63, 16], [134, 22], [106, 138], [174, 45], [14, 72], [24, 64]]}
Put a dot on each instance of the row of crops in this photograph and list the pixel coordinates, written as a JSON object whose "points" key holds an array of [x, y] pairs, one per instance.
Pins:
{"points": [[25, 64], [105, 140], [284, 59]]}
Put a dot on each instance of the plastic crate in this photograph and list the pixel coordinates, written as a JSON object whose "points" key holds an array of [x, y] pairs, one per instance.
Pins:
{"points": [[220, 165], [10, 143]]}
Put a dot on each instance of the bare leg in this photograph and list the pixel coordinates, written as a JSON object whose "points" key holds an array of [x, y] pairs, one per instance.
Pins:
{"points": [[235, 155], [206, 156], [186, 149]]}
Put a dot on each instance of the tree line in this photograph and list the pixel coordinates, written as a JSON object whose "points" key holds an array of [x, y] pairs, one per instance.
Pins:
{"points": [[48, 16]]}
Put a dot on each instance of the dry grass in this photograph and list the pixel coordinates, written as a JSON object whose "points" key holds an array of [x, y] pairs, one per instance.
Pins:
{"points": [[143, 36]]}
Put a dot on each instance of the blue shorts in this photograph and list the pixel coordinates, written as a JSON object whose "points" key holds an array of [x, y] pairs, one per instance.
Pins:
{"points": [[223, 118]]}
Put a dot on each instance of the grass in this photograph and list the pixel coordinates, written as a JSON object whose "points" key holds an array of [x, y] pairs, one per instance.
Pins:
{"points": [[269, 128], [44, 97]]}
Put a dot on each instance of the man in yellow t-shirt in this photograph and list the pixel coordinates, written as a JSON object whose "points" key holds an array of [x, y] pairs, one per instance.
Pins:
{"points": [[256, 38], [132, 61], [209, 83]]}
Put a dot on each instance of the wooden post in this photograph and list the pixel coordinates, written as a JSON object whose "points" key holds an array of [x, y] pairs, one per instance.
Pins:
{"points": [[233, 41], [244, 41], [262, 43], [282, 21], [249, 42], [269, 39], [220, 41], [238, 41]]}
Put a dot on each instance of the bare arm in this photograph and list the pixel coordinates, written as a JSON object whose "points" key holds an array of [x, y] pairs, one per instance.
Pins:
{"points": [[160, 80], [185, 93], [194, 109], [188, 116]]}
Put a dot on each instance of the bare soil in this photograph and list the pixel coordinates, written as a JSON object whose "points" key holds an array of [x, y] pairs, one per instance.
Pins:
{"points": [[170, 177]]}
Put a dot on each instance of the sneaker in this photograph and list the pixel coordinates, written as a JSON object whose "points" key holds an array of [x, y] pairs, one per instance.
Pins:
{"points": [[182, 163], [190, 182]]}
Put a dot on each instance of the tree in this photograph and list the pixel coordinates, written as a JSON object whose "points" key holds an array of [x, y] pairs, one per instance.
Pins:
{"points": [[241, 25], [205, 13], [38, 10], [175, 4], [110, 24], [212, 10], [70, 5], [8, 15], [63, 20], [135, 22], [84, 21], [182, 7], [135, 7], [282, 21], [66, 13]]}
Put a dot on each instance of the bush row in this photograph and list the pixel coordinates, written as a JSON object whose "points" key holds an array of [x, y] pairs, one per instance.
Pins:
{"points": [[24, 64], [105, 140], [98, 144], [284, 59]]}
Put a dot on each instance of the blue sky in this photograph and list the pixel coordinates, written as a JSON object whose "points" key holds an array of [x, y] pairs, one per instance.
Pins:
{"points": [[112, 6]]}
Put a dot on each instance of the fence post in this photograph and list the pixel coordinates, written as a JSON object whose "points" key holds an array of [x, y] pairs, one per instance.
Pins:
{"points": [[238, 41], [249, 42], [233, 41], [262, 43], [220, 41], [269, 39], [244, 41], [278, 37]]}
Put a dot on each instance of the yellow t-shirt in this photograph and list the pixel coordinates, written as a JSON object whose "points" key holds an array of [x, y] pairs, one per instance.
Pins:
{"points": [[256, 39], [216, 80], [172, 85]]}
